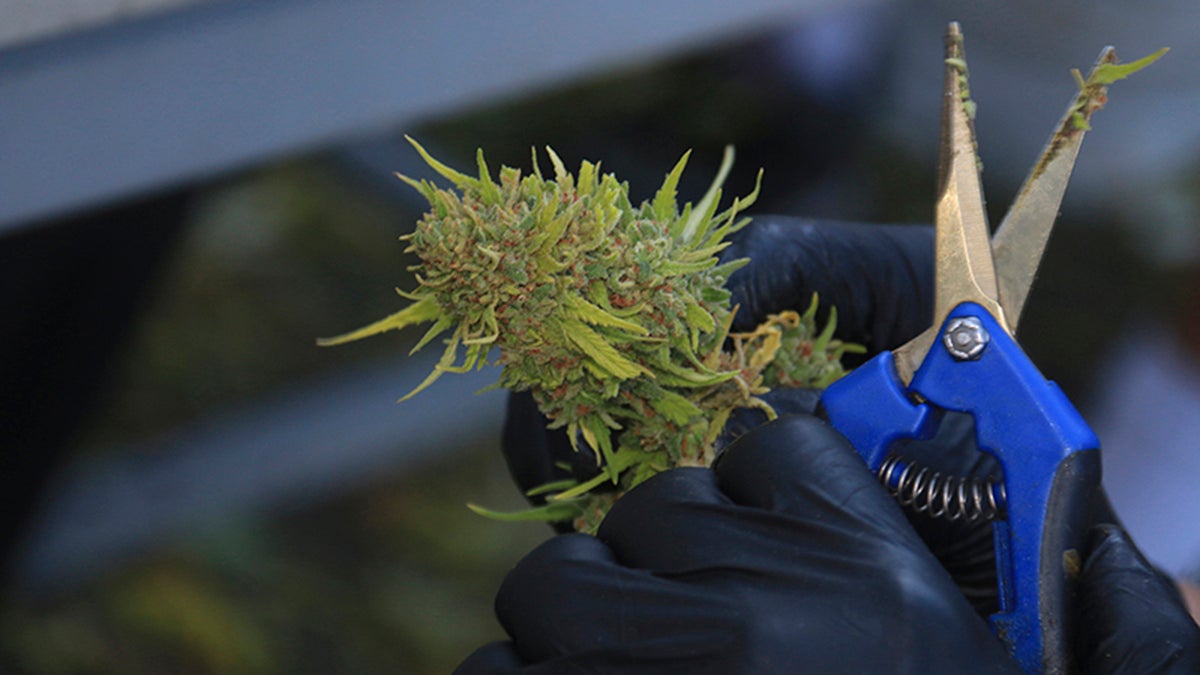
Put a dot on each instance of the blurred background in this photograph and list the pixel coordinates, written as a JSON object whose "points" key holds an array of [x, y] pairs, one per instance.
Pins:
{"points": [[191, 191]]}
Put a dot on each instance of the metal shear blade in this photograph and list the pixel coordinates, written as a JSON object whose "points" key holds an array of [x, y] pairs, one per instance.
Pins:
{"points": [[971, 266], [1048, 456]]}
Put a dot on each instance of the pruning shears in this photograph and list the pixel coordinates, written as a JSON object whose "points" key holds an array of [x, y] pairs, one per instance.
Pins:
{"points": [[968, 361]]}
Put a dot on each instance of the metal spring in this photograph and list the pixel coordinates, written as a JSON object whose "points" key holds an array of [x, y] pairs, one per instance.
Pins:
{"points": [[940, 495]]}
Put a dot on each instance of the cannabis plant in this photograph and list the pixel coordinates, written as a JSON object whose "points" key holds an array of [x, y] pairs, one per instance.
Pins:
{"points": [[615, 317]]}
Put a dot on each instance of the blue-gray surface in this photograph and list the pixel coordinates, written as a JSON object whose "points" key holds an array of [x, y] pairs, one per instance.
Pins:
{"points": [[320, 439], [110, 113]]}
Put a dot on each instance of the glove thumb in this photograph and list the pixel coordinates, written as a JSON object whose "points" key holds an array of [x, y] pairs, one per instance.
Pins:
{"points": [[1132, 617]]}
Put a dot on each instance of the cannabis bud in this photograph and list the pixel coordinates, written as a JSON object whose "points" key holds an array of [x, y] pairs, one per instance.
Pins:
{"points": [[615, 317]]}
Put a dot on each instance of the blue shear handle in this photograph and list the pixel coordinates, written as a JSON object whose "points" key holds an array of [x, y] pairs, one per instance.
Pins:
{"points": [[1048, 454]]}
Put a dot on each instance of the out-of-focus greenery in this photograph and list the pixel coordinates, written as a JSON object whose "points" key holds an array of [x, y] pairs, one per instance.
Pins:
{"points": [[395, 578], [261, 271]]}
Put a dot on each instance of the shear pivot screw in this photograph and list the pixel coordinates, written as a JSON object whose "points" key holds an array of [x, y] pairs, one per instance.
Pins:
{"points": [[965, 338]]}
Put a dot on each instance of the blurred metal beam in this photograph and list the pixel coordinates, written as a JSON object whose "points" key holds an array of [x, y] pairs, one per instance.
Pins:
{"points": [[30, 20], [314, 442], [103, 114]]}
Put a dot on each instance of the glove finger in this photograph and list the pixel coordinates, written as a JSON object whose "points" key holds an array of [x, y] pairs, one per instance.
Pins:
{"points": [[785, 401], [879, 277], [773, 493], [678, 523], [570, 596], [802, 466], [1132, 618]]}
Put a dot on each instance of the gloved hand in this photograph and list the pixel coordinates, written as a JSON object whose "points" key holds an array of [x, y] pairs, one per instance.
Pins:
{"points": [[1132, 618], [880, 278], [788, 556]]}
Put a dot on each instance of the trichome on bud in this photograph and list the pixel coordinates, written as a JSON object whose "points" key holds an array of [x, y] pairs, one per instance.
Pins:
{"points": [[615, 317]]}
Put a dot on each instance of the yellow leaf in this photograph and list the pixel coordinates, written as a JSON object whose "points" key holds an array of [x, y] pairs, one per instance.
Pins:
{"points": [[594, 315], [600, 351], [423, 310]]}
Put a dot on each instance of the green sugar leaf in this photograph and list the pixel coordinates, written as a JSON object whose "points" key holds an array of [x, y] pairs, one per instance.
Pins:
{"points": [[698, 220], [423, 310], [555, 486], [602, 353], [614, 315], [488, 189], [442, 324], [589, 313], [1107, 73], [679, 268], [699, 318], [553, 512], [664, 207], [462, 180], [675, 407]]}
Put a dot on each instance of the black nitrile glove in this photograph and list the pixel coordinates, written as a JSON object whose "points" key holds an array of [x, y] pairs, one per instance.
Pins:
{"points": [[881, 279], [787, 557], [1132, 617]]}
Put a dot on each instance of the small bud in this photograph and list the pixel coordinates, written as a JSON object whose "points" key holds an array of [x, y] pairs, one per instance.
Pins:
{"points": [[614, 317]]}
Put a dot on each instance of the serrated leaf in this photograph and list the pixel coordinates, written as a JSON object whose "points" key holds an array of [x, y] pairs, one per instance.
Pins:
{"points": [[580, 489], [586, 181], [554, 486], [561, 175], [664, 206], [619, 461], [715, 294], [462, 180], [674, 407], [1107, 73], [729, 215], [704, 253], [674, 375], [435, 330], [694, 226], [697, 317], [725, 269], [599, 295], [489, 190], [716, 424], [596, 316], [553, 512], [423, 310], [556, 223], [599, 351], [443, 365], [427, 190], [826, 336], [674, 268], [599, 438]]}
